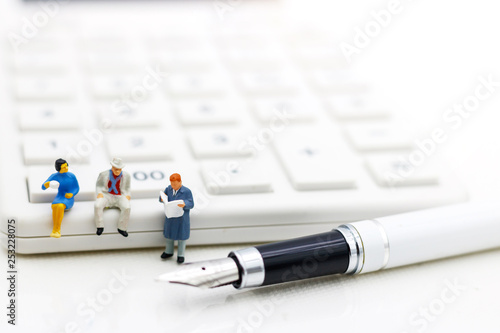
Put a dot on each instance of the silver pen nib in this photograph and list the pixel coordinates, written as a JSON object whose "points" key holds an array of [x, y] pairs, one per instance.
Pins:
{"points": [[204, 274]]}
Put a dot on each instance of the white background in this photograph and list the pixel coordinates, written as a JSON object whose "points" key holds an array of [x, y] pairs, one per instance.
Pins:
{"points": [[428, 58]]}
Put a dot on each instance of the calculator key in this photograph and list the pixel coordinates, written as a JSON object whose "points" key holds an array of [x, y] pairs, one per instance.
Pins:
{"points": [[393, 170], [185, 60], [355, 106], [124, 116], [211, 143], [235, 177], [267, 82], [374, 136], [113, 86], [148, 178], [48, 117], [42, 44], [314, 161], [306, 37], [336, 81], [252, 59], [37, 175], [320, 56], [137, 146], [100, 62], [286, 109], [175, 41], [207, 112], [97, 42], [47, 63], [41, 148], [242, 41], [195, 85], [43, 87]]}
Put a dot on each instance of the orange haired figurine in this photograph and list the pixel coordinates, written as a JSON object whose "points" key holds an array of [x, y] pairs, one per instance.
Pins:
{"points": [[177, 228]]}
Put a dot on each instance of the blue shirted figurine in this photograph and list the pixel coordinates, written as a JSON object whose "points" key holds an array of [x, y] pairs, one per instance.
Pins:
{"points": [[177, 229], [68, 187]]}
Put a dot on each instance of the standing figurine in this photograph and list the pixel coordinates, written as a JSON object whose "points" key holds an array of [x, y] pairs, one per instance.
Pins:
{"points": [[113, 191], [177, 228], [67, 185]]}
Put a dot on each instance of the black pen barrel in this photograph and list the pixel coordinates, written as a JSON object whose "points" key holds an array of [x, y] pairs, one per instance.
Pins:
{"points": [[304, 258]]}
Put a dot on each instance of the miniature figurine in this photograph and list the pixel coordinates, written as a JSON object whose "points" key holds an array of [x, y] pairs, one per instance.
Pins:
{"points": [[67, 185], [177, 226], [113, 191]]}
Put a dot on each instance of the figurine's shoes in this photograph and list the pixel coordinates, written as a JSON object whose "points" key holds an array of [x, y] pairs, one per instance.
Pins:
{"points": [[99, 231], [123, 233], [165, 255], [180, 260], [55, 234]]}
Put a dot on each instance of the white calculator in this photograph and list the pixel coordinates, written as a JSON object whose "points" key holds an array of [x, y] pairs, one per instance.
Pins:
{"points": [[266, 123]]}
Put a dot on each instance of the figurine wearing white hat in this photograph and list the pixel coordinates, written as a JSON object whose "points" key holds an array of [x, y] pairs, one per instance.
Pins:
{"points": [[113, 191]]}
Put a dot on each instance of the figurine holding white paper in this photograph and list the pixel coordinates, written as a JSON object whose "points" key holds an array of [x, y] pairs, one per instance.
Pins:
{"points": [[177, 201], [172, 208]]}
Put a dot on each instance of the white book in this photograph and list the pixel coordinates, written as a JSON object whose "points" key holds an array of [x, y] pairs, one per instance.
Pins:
{"points": [[172, 209]]}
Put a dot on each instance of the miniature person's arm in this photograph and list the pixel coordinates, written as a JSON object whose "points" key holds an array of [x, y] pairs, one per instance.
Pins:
{"points": [[166, 195], [75, 188], [188, 202], [100, 186], [47, 182], [125, 185]]}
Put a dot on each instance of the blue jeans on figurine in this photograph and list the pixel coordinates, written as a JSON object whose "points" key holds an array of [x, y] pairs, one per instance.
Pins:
{"points": [[178, 228]]}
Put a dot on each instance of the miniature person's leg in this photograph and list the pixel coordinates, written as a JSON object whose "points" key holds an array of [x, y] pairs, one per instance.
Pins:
{"points": [[124, 205], [181, 248], [57, 217], [169, 248], [99, 206]]}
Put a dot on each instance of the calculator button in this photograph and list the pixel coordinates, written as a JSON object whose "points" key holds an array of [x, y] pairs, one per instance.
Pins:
{"points": [[136, 146], [355, 106], [315, 162], [320, 56], [289, 109], [242, 41], [46, 148], [374, 136], [97, 42], [336, 81], [207, 112], [211, 143], [113, 86], [185, 60], [124, 116], [166, 40], [43, 44], [49, 117], [43, 87], [195, 85], [47, 63], [235, 177], [267, 82], [395, 170], [100, 62], [149, 178], [252, 59]]}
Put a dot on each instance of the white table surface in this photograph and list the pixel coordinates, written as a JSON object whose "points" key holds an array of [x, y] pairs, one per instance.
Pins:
{"points": [[427, 59]]}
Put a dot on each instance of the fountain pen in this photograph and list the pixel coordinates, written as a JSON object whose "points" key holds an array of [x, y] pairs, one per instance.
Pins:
{"points": [[353, 248]]}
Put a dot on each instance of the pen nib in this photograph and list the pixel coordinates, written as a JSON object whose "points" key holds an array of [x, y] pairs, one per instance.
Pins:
{"points": [[204, 274]]}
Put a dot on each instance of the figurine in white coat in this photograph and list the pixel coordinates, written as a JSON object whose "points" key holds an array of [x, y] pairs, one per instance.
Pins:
{"points": [[113, 191]]}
